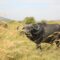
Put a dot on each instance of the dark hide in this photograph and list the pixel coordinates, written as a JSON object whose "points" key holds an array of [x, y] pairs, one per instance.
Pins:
{"points": [[38, 32]]}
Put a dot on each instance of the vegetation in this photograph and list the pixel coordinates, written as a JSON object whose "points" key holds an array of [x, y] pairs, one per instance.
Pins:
{"points": [[44, 21], [16, 46], [29, 20]]}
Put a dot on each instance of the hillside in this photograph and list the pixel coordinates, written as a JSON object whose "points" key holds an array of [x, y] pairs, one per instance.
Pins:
{"points": [[14, 45], [5, 19]]}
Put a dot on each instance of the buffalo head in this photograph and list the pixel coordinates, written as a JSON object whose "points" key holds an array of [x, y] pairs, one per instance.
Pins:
{"points": [[34, 32]]}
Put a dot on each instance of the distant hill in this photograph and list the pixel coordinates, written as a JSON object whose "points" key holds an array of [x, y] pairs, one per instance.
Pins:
{"points": [[5, 19]]}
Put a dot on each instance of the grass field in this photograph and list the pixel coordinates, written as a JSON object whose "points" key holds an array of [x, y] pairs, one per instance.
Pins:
{"points": [[14, 45]]}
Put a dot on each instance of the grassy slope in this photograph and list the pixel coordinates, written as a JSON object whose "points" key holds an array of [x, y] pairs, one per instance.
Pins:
{"points": [[16, 46]]}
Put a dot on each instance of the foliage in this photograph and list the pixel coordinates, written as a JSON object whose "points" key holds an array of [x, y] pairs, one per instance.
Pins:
{"points": [[29, 20], [44, 21]]}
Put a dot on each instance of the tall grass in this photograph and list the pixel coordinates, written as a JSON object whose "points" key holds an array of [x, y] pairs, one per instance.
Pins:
{"points": [[16, 46]]}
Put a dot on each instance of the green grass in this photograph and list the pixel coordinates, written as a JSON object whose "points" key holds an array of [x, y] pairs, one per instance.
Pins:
{"points": [[16, 46]]}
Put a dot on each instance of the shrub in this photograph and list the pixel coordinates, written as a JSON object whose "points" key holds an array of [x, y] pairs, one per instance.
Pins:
{"points": [[29, 20], [44, 21], [6, 26]]}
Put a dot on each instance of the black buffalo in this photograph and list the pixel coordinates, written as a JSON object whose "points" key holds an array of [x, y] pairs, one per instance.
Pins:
{"points": [[39, 32]]}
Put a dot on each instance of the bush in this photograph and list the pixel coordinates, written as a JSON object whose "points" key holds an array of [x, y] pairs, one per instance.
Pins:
{"points": [[6, 26], [43, 21], [29, 20]]}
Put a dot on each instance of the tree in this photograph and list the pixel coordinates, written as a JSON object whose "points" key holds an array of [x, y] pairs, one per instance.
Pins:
{"points": [[29, 20], [43, 21]]}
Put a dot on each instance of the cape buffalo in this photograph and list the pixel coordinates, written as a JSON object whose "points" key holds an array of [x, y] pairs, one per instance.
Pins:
{"points": [[39, 32]]}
